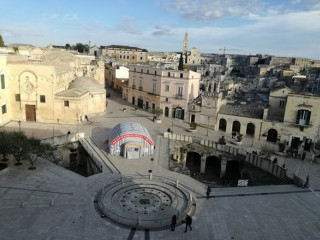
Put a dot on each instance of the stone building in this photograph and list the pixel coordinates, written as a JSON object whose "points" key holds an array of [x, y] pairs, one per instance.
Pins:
{"points": [[171, 90], [51, 89], [204, 109], [125, 53], [292, 118], [116, 76]]}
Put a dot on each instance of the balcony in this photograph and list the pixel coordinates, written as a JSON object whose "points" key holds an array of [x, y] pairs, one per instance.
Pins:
{"points": [[179, 96]]}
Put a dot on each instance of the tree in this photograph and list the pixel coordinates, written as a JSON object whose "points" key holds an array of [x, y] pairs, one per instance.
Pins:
{"points": [[158, 112], [4, 145], [81, 48], [20, 146], [67, 46], [38, 150], [1, 41], [180, 67], [16, 49]]}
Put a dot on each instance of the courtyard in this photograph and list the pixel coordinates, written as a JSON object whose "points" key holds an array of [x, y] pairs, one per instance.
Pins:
{"points": [[54, 203]]}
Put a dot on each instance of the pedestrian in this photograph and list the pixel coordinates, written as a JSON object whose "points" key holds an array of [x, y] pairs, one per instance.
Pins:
{"points": [[208, 191], [169, 130], [303, 156], [68, 132], [275, 160], [188, 223], [173, 222]]}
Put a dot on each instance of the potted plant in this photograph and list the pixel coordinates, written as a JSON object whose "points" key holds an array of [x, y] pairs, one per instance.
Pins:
{"points": [[158, 112], [193, 127], [238, 140]]}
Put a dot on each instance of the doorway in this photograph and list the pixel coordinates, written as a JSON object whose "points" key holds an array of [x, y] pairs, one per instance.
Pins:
{"points": [[31, 113]]}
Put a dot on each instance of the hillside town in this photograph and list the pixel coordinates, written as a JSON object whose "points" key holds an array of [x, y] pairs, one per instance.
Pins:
{"points": [[125, 141]]}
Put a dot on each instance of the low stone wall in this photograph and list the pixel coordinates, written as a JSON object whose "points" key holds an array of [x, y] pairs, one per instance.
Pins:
{"points": [[266, 165], [62, 139], [178, 137], [262, 163]]}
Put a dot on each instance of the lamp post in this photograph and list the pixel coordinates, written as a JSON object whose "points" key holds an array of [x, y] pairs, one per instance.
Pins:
{"points": [[19, 122]]}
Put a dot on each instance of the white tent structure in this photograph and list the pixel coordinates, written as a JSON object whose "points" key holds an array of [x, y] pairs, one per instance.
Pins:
{"points": [[130, 140]]}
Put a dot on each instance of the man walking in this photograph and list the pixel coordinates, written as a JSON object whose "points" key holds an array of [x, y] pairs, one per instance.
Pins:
{"points": [[188, 223], [173, 222], [208, 191]]}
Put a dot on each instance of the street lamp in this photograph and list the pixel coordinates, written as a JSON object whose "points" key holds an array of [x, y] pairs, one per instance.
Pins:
{"points": [[19, 122]]}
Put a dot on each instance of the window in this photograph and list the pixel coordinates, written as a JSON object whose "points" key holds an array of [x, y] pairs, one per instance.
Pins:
{"points": [[140, 83], [140, 58], [42, 98], [167, 99], [155, 73], [134, 69], [303, 117], [132, 57], [141, 70], [169, 74], [120, 56], [3, 86], [180, 90], [181, 75], [282, 104], [167, 88], [127, 57], [18, 99], [148, 71], [154, 89], [66, 103], [4, 108]]}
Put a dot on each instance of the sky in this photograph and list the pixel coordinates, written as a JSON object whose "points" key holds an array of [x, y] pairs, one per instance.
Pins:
{"points": [[276, 27]]}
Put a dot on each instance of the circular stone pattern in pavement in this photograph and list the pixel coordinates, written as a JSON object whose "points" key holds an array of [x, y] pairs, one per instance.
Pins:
{"points": [[144, 203]]}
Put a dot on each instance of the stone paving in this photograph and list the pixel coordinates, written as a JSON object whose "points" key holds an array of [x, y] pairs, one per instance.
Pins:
{"points": [[54, 203]]}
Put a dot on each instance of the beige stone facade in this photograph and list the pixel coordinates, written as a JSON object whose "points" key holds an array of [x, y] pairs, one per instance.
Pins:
{"points": [[50, 90], [171, 90], [292, 118], [125, 53]]}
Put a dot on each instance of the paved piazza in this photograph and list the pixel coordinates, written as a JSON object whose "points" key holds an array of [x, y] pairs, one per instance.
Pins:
{"points": [[144, 203], [54, 203]]}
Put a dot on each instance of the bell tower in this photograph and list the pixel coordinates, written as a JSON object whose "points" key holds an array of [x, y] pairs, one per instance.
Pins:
{"points": [[185, 43]]}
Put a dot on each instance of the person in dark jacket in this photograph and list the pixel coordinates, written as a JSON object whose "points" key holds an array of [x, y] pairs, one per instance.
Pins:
{"points": [[208, 191], [188, 223], [173, 222]]}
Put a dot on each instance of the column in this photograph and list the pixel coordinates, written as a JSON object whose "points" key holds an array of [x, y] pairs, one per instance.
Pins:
{"points": [[223, 168], [203, 163]]}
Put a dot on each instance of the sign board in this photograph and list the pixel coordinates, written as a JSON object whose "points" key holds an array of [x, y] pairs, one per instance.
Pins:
{"points": [[243, 182]]}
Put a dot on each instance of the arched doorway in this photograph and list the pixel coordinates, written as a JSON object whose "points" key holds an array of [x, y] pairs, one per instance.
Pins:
{"points": [[236, 126], [232, 171], [193, 162], [250, 129], [272, 135], [166, 112], [213, 166], [222, 125]]}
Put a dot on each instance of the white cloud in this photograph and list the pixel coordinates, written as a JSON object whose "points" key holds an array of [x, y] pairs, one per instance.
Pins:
{"points": [[128, 25], [162, 30], [71, 16], [210, 10]]}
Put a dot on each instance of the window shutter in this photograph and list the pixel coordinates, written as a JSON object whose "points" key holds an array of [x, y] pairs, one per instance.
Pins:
{"points": [[182, 114], [298, 117], [308, 117], [2, 82]]}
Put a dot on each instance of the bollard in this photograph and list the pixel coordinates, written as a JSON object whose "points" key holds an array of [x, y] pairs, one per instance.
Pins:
{"points": [[177, 183]]}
